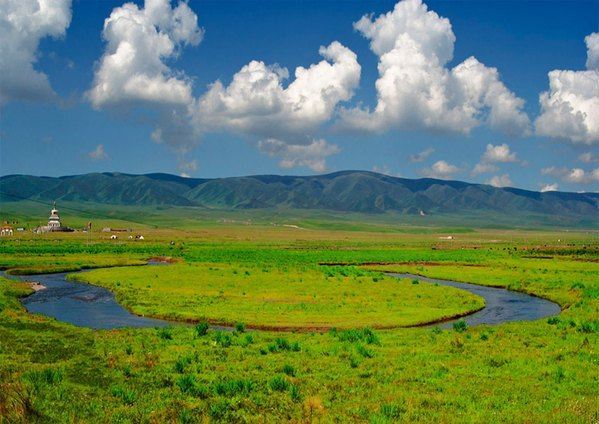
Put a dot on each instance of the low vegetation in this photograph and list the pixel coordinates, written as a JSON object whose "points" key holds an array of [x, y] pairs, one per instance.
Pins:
{"points": [[539, 371], [287, 297]]}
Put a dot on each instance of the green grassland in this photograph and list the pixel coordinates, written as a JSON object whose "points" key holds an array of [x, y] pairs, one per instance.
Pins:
{"points": [[31, 213], [264, 297], [540, 371]]}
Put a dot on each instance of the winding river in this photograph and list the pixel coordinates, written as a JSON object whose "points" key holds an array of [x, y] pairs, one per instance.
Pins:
{"points": [[86, 305], [80, 304], [501, 305]]}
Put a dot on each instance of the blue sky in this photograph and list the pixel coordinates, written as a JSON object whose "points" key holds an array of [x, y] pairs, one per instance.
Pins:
{"points": [[61, 133]]}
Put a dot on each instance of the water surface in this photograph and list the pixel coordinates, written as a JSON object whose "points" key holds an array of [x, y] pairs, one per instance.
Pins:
{"points": [[80, 304], [501, 305]]}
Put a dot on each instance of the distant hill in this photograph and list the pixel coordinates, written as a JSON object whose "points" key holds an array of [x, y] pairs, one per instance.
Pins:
{"points": [[348, 191]]}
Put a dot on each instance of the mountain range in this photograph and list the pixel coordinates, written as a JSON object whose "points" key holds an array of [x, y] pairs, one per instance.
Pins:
{"points": [[348, 191]]}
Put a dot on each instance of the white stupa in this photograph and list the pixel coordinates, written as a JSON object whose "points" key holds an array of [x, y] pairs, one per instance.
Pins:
{"points": [[54, 219], [53, 223]]}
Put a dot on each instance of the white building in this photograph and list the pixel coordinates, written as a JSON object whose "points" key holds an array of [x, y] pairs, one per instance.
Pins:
{"points": [[53, 223], [54, 219]]}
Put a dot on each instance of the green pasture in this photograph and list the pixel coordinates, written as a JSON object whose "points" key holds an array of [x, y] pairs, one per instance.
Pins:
{"points": [[280, 297], [542, 371]]}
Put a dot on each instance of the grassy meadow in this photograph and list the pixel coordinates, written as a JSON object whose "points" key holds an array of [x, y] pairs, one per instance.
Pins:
{"points": [[291, 298], [339, 364]]}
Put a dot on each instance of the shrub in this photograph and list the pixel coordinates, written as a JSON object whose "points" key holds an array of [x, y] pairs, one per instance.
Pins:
{"points": [[414, 281], [127, 371], [278, 383], [52, 375], [589, 327], [496, 362], [186, 417], [460, 326], [223, 339], [190, 386], [202, 329], [181, 363], [364, 352], [354, 362], [392, 411], [219, 409], [232, 387], [559, 374], [47, 376], [295, 394], [247, 340], [553, 321], [201, 391], [370, 337], [165, 333], [41, 378], [240, 327], [126, 395], [289, 370], [280, 344], [187, 383], [356, 335]]}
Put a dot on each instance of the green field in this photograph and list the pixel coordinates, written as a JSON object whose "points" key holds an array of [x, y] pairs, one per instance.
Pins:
{"points": [[271, 276], [291, 298]]}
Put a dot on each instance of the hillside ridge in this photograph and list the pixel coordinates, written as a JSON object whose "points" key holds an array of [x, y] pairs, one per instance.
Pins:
{"points": [[348, 191]]}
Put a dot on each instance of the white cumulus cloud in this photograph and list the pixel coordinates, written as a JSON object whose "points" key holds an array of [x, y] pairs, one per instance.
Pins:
{"points": [[139, 41], [133, 71], [549, 187], [423, 155], [570, 109], [257, 103], [386, 170], [500, 153], [484, 168], [416, 90], [311, 155], [500, 181], [441, 170], [186, 168], [98, 153], [574, 175], [588, 157], [592, 42], [23, 23]]}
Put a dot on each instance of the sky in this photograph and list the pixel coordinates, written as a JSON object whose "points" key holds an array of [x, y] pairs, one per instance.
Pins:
{"points": [[496, 92]]}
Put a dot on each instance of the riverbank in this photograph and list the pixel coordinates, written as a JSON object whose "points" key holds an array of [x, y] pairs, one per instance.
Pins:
{"points": [[91, 302], [266, 298]]}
